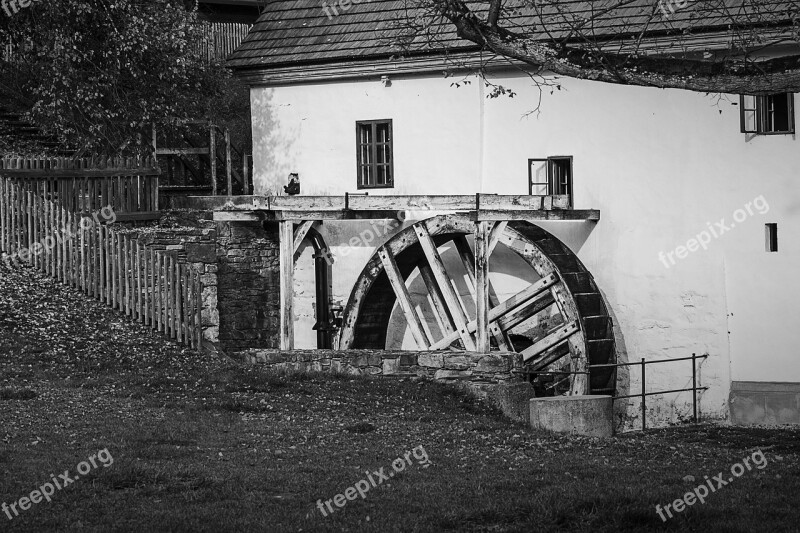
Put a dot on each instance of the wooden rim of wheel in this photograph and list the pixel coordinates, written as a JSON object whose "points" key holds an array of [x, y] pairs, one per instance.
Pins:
{"points": [[585, 337]]}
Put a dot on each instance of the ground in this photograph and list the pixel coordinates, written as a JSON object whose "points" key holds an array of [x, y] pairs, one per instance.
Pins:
{"points": [[186, 442]]}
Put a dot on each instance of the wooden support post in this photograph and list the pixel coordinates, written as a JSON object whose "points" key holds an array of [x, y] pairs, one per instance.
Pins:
{"points": [[246, 174], [286, 233], [482, 285], [212, 157], [228, 181]]}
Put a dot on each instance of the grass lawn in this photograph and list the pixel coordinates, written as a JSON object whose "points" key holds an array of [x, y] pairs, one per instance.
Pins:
{"points": [[201, 444]]}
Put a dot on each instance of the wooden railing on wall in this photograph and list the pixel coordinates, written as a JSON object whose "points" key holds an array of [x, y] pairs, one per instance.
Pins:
{"points": [[45, 224]]}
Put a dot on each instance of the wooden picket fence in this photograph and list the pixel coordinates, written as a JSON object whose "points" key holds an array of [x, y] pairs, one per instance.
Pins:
{"points": [[77, 248], [129, 185]]}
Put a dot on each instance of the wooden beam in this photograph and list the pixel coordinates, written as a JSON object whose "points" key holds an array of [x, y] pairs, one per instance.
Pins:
{"points": [[443, 280], [508, 305], [212, 156], [238, 216], [443, 317], [494, 238], [566, 214], [228, 180], [482, 285], [77, 173], [277, 215], [556, 337], [403, 298], [300, 233], [286, 245], [522, 313], [468, 259], [422, 202], [183, 151]]}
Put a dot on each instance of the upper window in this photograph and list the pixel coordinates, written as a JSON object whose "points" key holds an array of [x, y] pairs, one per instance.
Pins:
{"points": [[551, 176], [769, 114], [374, 154]]}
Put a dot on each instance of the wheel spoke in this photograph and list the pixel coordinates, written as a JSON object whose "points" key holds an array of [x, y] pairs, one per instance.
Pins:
{"points": [[468, 259], [443, 280], [403, 298], [504, 308], [554, 338], [443, 317]]}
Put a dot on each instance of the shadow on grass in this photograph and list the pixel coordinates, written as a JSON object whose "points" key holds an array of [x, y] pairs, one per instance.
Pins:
{"points": [[10, 393]]}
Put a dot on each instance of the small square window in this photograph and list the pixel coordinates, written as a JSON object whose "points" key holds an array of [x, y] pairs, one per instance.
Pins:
{"points": [[771, 234], [551, 176], [374, 154], [768, 114]]}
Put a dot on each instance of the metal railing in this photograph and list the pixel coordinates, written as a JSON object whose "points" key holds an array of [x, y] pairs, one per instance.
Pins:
{"points": [[644, 394]]}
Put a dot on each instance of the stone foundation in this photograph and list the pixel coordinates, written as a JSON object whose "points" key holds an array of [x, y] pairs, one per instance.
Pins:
{"points": [[452, 366]]}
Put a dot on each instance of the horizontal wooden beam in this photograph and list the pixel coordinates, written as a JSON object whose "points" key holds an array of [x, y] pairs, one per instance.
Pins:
{"points": [[481, 208], [592, 215], [77, 173], [556, 337], [183, 151], [237, 216], [328, 215]]}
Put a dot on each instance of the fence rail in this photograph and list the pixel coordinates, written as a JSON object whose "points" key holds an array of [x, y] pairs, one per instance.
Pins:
{"points": [[78, 248], [129, 186]]}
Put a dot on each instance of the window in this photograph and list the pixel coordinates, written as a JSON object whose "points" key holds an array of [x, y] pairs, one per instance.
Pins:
{"points": [[374, 154], [770, 114], [551, 176], [771, 233]]}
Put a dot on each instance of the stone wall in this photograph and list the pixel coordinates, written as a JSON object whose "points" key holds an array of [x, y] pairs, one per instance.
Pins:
{"points": [[457, 366], [248, 285], [191, 238]]}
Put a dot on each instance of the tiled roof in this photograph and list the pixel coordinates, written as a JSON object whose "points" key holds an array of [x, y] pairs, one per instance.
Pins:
{"points": [[295, 32]]}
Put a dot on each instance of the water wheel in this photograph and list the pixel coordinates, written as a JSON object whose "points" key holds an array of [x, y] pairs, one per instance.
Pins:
{"points": [[558, 322]]}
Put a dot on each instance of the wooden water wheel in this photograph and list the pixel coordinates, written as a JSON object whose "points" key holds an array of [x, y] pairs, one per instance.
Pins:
{"points": [[581, 334]]}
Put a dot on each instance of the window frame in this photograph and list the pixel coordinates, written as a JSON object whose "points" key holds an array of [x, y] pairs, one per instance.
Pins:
{"points": [[550, 175], [761, 112], [360, 178]]}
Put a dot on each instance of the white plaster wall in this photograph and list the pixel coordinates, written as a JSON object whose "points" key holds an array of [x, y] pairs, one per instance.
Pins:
{"points": [[659, 164]]}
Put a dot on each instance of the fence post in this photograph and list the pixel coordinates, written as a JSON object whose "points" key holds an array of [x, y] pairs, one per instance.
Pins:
{"points": [[212, 154], [644, 396], [694, 386], [228, 181]]}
